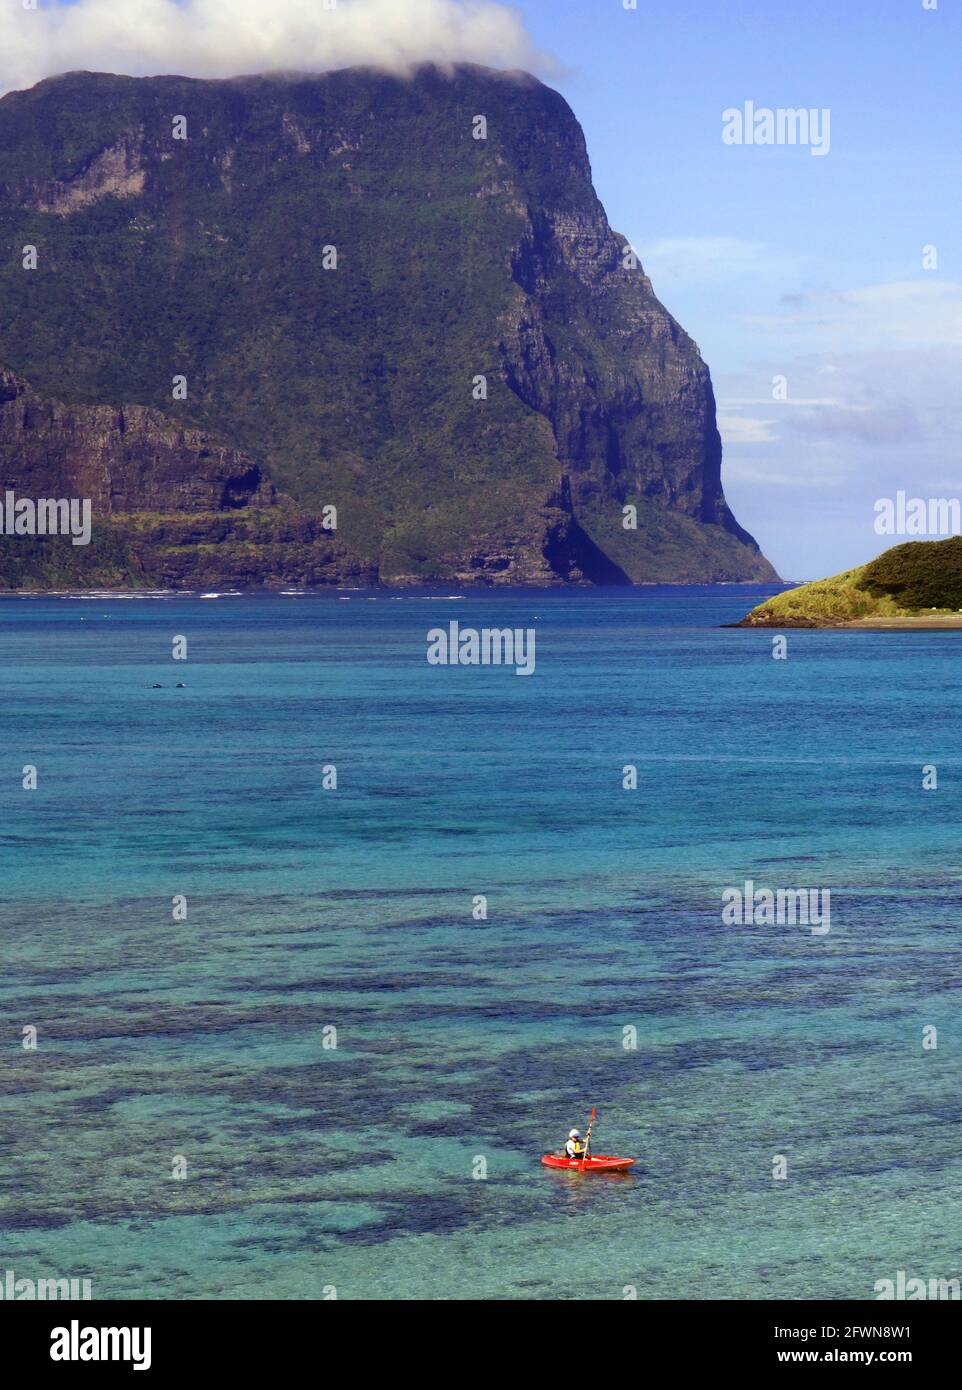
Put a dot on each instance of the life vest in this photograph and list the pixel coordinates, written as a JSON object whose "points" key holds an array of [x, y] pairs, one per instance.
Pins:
{"points": [[575, 1148]]}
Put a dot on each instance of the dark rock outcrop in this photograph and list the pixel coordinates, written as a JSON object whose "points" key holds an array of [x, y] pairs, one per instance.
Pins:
{"points": [[127, 459], [170, 505]]}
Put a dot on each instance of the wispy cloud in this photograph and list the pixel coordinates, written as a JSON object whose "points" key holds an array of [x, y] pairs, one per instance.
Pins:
{"points": [[925, 312], [880, 423], [223, 38], [761, 477], [744, 429], [716, 260], [886, 352], [892, 419]]}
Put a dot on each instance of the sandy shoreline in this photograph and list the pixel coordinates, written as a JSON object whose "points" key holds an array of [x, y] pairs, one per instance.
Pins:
{"points": [[928, 622], [922, 622]]}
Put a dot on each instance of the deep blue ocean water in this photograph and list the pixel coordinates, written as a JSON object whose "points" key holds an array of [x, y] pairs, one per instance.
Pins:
{"points": [[467, 1045]]}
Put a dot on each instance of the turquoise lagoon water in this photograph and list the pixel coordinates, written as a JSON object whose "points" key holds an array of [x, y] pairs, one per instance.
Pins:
{"points": [[457, 1040]]}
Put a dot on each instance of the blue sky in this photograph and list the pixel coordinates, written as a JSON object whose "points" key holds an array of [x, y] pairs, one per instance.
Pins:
{"points": [[779, 263]]}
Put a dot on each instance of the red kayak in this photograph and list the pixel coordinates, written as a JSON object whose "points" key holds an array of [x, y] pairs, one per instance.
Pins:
{"points": [[600, 1163]]}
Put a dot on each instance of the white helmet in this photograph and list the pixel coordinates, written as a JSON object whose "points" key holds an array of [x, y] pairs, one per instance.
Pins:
{"points": [[574, 1134]]}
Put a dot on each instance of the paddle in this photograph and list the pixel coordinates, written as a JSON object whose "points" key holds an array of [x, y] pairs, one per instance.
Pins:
{"points": [[581, 1165]]}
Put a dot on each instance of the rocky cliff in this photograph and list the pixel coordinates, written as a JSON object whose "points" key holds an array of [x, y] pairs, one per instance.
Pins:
{"points": [[330, 286], [170, 505], [124, 459]]}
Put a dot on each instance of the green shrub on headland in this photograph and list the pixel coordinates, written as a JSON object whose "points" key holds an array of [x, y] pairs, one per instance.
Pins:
{"points": [[918, 577]]}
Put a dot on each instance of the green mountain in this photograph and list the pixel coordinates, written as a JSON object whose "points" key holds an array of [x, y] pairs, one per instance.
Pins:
{"points": [[437, 335], [919, 581]]}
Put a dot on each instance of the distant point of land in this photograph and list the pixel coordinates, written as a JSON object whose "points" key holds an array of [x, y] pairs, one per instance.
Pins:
{"points": [[915, 585]]}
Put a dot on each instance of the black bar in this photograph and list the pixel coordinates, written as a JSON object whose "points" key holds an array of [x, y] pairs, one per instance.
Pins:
{"points": [[725, 1337]]}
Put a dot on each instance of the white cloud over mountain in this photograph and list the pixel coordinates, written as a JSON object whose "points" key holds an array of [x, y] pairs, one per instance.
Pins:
{"points": [[223, 38]]}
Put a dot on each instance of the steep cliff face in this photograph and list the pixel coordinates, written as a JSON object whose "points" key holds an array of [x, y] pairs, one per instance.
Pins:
{"points": [[170, 505], [124, 460], [438, 334]]}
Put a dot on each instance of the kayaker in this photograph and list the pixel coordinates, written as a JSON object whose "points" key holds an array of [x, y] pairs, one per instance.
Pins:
{"points": [[575, 1147]]}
